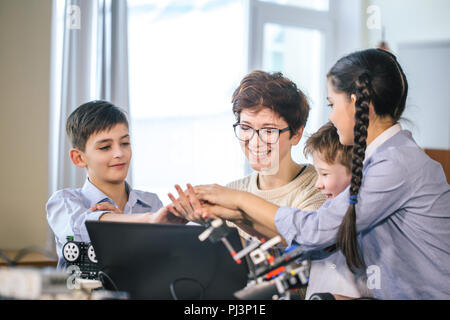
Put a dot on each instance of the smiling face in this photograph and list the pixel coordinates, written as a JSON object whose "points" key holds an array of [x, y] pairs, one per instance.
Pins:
{"points": [[332, 178], [342, 113], [106, 156], [263, 157]]}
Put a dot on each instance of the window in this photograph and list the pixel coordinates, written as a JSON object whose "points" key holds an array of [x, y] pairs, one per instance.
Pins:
{"points": [[297, 53], [185, 60], [321, 5], [297, 42]]}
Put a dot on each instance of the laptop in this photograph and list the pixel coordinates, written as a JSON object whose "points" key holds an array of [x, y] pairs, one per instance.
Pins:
{"points": [[166, 262]]}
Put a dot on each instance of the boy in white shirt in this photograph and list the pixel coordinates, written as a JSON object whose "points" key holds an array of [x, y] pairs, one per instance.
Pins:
{"points": [[100, 139]]}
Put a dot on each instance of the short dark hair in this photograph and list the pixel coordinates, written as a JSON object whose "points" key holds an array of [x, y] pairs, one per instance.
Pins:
{"points": [[325, 142], [92, 117], [274, 91]]}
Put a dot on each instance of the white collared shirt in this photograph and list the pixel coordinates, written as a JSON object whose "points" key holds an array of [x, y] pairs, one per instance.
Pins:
{"points": [[384, 136], [403, 221], [69, 209]]}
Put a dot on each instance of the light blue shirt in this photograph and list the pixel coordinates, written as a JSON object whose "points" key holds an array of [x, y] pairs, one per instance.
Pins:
{"points": [[69, 209], [402, 217]]}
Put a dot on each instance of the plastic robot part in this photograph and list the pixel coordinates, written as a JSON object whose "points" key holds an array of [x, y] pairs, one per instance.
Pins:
{"points": [[275, 272], [280, 287], [215, 230], [27, 283], [227, 245], [91, 255], [82, 257], [291, 248], [213, 225], [71, 251], [253, 245], [230, 249], [257, 256], [285, 259], [303, 272], [274, 241], [205, 234], [217, 223]]}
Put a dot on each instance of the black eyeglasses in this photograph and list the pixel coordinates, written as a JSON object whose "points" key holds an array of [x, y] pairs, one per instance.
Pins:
{"points": [[267, 135]]}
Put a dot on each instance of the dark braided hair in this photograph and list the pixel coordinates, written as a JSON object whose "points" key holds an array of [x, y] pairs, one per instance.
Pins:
{"points": [[373, 76]]}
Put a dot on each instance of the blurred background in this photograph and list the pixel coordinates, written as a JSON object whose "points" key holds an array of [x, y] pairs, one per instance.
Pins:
{"points": [[173, 65]]}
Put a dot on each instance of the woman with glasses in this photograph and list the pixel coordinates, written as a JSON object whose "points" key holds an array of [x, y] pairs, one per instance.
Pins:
{"points": [[393, 221], [271, 113]]}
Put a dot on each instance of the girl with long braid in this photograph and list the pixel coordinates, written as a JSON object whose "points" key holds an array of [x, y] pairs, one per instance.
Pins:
{"points": [[393, 221]]}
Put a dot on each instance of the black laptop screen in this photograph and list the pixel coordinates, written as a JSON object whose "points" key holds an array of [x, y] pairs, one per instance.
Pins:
{"points": [[162, 261]]}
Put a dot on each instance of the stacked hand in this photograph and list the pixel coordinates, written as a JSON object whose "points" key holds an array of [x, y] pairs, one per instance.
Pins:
{"points": [[201, 202]]}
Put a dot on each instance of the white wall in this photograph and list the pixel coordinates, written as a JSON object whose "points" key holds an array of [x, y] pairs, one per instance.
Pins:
{"points": [[410, 21], [427, 68], [24, 92], [418, 33]]}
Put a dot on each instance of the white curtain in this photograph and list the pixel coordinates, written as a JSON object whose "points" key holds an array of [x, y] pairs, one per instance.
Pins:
{"points": [[89, 62]]}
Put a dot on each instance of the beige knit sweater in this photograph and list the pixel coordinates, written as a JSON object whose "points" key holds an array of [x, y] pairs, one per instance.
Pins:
{"points": [[299, 193]]}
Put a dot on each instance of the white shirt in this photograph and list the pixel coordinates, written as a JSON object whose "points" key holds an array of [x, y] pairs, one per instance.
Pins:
{"points": [[403, 220], [382, 138]]}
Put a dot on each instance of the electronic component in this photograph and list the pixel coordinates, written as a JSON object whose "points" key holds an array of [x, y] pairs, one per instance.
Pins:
{"points": [[81, 255], [27, 283], [217, 230], [273, 277]]}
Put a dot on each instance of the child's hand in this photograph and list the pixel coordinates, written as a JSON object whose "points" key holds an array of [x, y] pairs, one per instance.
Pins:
{"points": [[105, 206], [164, 216], [186, 205], [215, 211], [218, 195]]}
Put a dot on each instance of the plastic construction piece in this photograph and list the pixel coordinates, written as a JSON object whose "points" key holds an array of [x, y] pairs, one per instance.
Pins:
{"points": [[71, 251], [275, 272], [276, 284], [81, 255], [91, 254], [252, 246], [293, 247], [217, 230], [283, 260], [230, 249], [272, 242], [257, 256]]}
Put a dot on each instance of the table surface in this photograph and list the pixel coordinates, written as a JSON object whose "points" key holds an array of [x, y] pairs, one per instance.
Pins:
{"points": [[35, 259]]}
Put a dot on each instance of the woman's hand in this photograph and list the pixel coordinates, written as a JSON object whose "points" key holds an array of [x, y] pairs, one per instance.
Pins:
{"points": [[218, 195], [191, 208], [216, 211], [242, 207]]}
